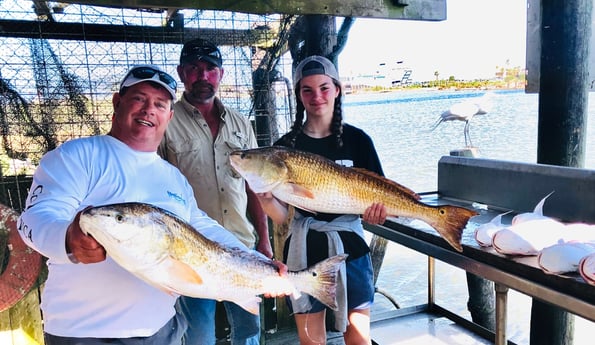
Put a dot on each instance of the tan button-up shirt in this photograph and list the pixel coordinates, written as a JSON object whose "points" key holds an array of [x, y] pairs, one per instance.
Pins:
{"points": [[219, 191]]}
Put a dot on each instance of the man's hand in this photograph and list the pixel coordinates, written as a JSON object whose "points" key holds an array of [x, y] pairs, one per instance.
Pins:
{"points": [[264, 246], [284, 288], [83, 248]]}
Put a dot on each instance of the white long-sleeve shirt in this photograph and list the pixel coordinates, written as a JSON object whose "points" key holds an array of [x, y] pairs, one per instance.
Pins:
{"points": [[102, 299]]}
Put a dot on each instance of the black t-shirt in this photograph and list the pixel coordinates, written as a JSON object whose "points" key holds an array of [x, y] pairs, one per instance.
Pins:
{"points": [[357, 151]]}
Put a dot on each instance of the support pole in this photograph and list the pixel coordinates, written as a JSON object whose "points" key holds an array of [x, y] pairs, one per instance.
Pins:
{"points": [[561, 137], [431, 282], [481, 301], [563, 86], [501, 303]]}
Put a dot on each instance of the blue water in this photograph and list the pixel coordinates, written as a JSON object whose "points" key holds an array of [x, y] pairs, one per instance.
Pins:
{"points": [[399, 123]]}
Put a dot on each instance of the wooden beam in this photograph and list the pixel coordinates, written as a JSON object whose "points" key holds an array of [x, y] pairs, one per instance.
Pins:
{"points": [[129, 33], [42, 10], [430, 10]]}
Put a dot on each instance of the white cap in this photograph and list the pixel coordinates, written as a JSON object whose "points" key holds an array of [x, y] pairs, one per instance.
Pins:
{"points": [[141, 73]]}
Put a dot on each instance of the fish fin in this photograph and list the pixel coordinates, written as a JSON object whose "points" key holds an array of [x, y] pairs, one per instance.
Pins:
{"points": [[301, 191], [539, 207], [182, 272], [251, 305], [169, 274], [320, 280], [399, 186], [498, 219], [307, 209], [293, 189], [167, 290]]}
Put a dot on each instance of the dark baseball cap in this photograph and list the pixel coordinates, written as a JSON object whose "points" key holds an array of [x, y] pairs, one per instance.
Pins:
{"points": [[201, 50]]}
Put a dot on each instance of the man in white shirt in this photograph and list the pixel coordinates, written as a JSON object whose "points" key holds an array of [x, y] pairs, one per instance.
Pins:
{"points": [[88, 299]]}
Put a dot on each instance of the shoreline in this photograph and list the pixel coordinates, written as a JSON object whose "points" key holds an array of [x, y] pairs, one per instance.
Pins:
{"points": [[375, 90]]}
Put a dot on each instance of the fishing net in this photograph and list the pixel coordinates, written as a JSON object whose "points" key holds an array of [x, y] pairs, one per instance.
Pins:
{"points": [[61, 64]]}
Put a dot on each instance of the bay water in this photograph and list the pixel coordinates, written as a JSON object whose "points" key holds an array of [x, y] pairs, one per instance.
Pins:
{"points": [[400, 124]]}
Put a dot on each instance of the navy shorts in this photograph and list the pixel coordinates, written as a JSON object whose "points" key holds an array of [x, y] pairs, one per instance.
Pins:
{"points": [[360, 286]]}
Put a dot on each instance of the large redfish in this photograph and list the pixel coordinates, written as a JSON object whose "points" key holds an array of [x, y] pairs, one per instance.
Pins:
{"points": [[168, 253], [317, 184]]}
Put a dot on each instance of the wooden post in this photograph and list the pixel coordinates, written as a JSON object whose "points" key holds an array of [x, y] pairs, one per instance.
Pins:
{"points": [[564, 82], [280, 233], [501, 303], [481, 303], [561, 137], [550, 325], [563, 86]]}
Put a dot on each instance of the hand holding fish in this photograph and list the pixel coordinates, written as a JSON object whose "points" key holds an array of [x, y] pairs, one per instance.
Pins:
{"points": [[82, 248], [316, 184], [264, 247], [273, 207], [375, 214], [168, 253], [280, 290]]}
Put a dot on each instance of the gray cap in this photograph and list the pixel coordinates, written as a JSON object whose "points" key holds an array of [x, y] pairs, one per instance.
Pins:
{"points": [[312, 65]]}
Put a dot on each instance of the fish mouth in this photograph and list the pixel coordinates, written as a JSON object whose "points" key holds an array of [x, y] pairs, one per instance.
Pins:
{"points": [[235, 159], [240, 153]]}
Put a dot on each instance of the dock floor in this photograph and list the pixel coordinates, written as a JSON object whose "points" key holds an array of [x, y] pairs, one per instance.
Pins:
{"points": [[414, 329]]}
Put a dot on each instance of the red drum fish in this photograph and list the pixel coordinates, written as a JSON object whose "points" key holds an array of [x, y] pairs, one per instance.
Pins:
{"points": [[168, 253], [317, 184]]}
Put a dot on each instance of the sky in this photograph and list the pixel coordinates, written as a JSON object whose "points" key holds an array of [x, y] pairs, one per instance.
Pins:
{"points": [[477, 36]]}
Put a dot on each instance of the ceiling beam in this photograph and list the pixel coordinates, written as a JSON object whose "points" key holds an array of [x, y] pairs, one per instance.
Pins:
{"points": [[129, 33], [430, 10]]}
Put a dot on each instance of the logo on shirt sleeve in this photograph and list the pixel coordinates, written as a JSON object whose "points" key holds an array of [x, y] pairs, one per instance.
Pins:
{"points": [[176, 197]]}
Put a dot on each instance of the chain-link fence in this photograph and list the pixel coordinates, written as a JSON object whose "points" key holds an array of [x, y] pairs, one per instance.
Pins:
{"points": [[61, 63]]}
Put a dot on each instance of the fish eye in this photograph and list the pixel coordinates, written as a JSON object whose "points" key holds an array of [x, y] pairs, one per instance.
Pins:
{"points": [[119, 218], [243, 155]]}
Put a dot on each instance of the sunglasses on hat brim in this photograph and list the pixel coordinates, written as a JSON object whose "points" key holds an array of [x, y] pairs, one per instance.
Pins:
{"points": [[149, 73]]}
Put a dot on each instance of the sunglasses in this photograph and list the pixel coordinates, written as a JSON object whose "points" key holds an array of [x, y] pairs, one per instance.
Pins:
{"points": [[149, 73], [205, 51]]}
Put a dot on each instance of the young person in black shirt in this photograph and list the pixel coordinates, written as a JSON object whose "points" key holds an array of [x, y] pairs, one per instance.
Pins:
{"points": [[315, 237]]}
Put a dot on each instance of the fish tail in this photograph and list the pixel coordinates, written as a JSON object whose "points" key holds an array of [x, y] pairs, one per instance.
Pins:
{"points": [[450, 222], [320, 280]]}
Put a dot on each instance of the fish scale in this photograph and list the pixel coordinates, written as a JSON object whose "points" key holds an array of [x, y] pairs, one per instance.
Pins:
{"points": [[170, 255], [316, 184]]}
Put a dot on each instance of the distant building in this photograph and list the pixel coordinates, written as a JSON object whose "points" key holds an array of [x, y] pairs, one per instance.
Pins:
{"points": [[385, 76]]}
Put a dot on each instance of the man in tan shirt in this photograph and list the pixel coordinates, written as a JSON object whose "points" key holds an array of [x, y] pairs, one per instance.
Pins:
{"points": [[198, 141]]}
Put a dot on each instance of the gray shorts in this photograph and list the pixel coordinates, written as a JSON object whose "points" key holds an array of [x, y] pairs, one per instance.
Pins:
{"points": [[170, 334]]}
